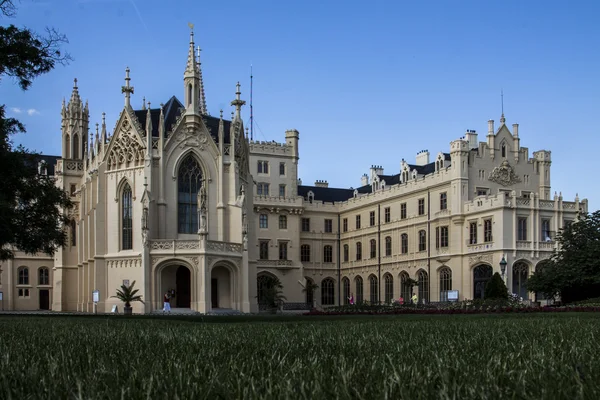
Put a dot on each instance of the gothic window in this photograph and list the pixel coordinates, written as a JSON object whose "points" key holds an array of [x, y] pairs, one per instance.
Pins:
{"points": [[405, 287], [264, 283], [327, 292], [473, 233], [422, 240], [388, 246], [423, 286], [328, 254], [189, 102], [373, 289], [373, 245], [23, 275], [262, 189], [503, 150], [305, 253], [263, 167], [358, 251], [189, 183], [346, 253], [389, 288], [264, 250], [359, 289], [281, 169], [404, 243], [67, 146], [519, 283], [546, 236], [481, 276], [126, 218], [75, 153], [43, 276], [445, 283], [346, 290], [283, 222]]}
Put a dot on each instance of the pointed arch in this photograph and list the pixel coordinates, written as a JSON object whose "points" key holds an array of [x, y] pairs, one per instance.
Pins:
{"points": [[405, 287], [388, 280], [445, 275], [67, 149], [75, 152], [126, 217], [346, 290], [358, 282], [423, 279], [190, 179], [328, 292], [373, 289]]}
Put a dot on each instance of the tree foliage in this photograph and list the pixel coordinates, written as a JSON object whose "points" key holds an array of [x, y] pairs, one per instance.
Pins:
{"points": [[495, 288], [128, 295], [31, 205], [573, 271]]}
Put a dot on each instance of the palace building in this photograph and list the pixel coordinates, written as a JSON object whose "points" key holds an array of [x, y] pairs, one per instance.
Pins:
{"points": [[178, 200]]}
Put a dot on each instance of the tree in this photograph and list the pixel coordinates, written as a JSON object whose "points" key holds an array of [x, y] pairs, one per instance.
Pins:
{"points": [[573, 271], [128, 295], [31, 205], [495, 288]]}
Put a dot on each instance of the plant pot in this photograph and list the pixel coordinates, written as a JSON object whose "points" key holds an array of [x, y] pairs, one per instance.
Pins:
{"points": [[127, 310]]}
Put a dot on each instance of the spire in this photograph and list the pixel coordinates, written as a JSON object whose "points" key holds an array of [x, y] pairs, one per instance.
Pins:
{"points": [[75, 93], [202, 100], [191, 67], [103, 133], [148, 132], [161, 123], [502, 119], [238, 102], [127, 89], [144, 103]]}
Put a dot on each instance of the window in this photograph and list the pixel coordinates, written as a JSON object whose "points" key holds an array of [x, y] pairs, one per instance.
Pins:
{"points": [[386, 215], [443, 201], [263, 221], [23, 276], [373, 245], [358, 251], [503, 150], [305, 224], [388, 246], [127, 219], [520, 277], [441, 236], [372, 218], [283, 248], [445, 283], [189, 183], [346, 287], [389, 288], [283, 222], [487, 230], [23, 292], [262, 189], [327, 292], [358, 222], [482, 192], [359, 289], [473, 233], [281, 169], [281, 190], [374, 289], [546, 237], [421, 206], [346, 253], [73, 233], [423, 279], [403, 211], [264, 250], [73, 189], [328, 254], [345, 224], [422, 240], [522, 228], [328, 226], [404, 243], [405, 287], [263, 167], [305, 253], [43, 276]]}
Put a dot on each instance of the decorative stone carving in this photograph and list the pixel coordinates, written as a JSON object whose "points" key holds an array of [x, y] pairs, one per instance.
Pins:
{"points": [[224, 247], [125, 263], [504, 175], [193, 260], [162, 244], [187, 245], [156, 260], [481, 258], [127, 148]]}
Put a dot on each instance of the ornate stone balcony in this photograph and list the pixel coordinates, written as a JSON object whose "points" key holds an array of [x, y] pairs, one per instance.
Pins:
{"points": [[193, 246]]}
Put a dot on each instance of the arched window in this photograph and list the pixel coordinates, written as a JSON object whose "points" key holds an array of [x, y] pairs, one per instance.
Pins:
{"points": [[305, 253], [445, 283], [346, 290], [189, 182], [264, 283], [73, 233], [423, 286], [374, 290], [68, 146], [359, 289], [422, 240], [189, 95], [519, 283], [43, 276], [23, 276], [503, 150], [404, 243], [346, 253], [358, 251], [75, 153], [373, 245], [481, 276], [328, 254], [126, 218], [327, 292], [405, 287], [310, 295], [388, 246], [389, 288]]}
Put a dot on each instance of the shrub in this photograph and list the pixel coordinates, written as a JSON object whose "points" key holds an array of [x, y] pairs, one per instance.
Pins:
{"points": [[495, 288]]}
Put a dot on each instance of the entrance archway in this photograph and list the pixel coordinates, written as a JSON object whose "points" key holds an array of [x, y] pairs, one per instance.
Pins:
{"points": [[176, 279], [221, 294], [481, 276]]}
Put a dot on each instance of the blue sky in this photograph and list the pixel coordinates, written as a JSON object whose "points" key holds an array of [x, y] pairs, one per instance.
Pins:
{"points": [[365, 82]]}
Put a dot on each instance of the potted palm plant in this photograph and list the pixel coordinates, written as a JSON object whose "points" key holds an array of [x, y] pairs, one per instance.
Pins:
{"points": [[311, 288], [273, 297], [128, 295]]}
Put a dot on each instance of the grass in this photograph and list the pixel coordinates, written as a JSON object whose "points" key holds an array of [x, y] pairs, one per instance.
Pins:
{"points": [[397, 357]]}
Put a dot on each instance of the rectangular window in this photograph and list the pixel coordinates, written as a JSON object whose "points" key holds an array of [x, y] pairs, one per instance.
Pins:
{"points": [[263, 221], [262, 189], [346, 253], [358, 222], [482, 191], [283, 248], [546, 235], [421, 206], [328, 254], [281, 190], [403, 211], [473, 233], [283, 222], [358, 251], [487, 230], [281, 169], [264, 250], [422, 240], [387, 215], [372, 218], [345, 225], [388, 246], [305, 224], [404, 243], [328, 226], [441, 236], [522, 228], [305, 253], [443, 201], [263, 167], [373, 245], [73, 189]]}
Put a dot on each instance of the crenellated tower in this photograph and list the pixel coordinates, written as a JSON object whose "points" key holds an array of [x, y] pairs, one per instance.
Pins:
{"points": [[75, 119]]}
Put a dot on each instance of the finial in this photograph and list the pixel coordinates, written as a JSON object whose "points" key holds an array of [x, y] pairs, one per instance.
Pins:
{"points": [[144, 103], [221, 112], [145, 181], [75, 83], [148, 106], [502, 119], [103, 118], [238, 102], [191, 31], [127, 89]]}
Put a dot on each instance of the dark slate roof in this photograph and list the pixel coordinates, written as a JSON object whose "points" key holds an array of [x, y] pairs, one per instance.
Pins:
{"points": [[390, 179], [330, 195], [50, 162], [171, 110]]}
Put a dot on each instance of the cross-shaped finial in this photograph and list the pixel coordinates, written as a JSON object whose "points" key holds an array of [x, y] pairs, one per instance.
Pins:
{"points": [[127, 89]]}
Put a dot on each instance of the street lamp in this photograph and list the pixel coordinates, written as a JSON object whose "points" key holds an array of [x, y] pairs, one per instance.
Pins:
{"points": [[503, 266]]}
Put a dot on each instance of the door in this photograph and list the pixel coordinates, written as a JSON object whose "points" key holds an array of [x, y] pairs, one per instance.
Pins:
{"points": [[184, 288], [214, 292], [44, 299]]}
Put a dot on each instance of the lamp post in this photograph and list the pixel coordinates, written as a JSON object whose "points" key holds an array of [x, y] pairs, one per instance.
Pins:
{"points": [[503, 268]]}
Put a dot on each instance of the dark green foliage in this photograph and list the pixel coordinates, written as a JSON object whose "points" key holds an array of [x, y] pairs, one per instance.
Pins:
{"points": [[573, 272], [495, 288], [31, 206], [128, 295], [273, 294]]}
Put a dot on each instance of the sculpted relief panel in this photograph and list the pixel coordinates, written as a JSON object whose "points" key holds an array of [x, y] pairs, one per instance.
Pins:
{"points": [[504, 175]]}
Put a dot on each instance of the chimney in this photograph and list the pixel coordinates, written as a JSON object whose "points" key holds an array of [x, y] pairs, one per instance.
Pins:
{"points": [[471, 137], [422, 157], [490, 127], [376, 170], [299, 182], [323, 184], [364, 180]]}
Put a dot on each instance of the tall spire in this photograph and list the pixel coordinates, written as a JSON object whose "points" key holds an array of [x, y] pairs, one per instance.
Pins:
{"points": [[127, 89], [238, 102], [202, 99], [502, 119], [191, 67], [75, 93]]}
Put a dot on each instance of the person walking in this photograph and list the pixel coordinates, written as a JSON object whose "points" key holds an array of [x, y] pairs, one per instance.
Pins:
{"points": [[167, 302]]}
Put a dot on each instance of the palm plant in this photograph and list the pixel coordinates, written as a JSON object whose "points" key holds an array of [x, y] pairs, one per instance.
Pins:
{"points": [[127, 294]]}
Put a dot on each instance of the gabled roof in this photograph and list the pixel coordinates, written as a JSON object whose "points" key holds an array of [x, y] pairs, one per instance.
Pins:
{"points": [[331, 195]]}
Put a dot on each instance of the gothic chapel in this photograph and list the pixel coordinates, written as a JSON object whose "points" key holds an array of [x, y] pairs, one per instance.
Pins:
{"points": [[160, 202]]}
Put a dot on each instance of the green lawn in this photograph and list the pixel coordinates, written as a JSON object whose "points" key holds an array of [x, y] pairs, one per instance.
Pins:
{"points": [[365, 357]]}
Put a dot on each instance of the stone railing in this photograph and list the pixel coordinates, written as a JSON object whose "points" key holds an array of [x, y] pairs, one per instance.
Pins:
{"points": [[211, 246], [223, 247], [523, 244], [546, 204], [274, 263]]}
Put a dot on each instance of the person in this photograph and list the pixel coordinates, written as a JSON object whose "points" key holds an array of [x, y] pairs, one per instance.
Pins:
{"points": [[401, 300], [414, 298], [167, 302], [351, 298]]}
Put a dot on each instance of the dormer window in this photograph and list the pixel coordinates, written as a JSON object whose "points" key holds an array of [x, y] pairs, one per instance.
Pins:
{"points": [[503, 150], [311, 197]]}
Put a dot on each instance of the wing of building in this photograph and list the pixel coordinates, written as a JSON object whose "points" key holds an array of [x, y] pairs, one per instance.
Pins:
{"points": [[182, 202]]}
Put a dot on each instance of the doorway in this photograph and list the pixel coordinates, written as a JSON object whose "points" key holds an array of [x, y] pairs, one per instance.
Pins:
{"points": [[214, 293], [183, 287], [44, 299]]}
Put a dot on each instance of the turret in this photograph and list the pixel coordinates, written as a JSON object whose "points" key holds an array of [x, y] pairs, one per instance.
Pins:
{"points": [[75, 126], [516, 140]]}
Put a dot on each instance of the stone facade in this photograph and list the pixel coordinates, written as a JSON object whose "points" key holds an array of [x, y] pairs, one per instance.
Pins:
{"points": [[180, 201]]}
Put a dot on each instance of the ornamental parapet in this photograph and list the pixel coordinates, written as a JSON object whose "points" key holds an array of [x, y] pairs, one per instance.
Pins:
{"points": [[179, 247]]}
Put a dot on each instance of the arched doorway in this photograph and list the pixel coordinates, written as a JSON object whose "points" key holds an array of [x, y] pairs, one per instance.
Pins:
{"points": [[520, 277], [481, 276], [221, 293], [183, 289]]}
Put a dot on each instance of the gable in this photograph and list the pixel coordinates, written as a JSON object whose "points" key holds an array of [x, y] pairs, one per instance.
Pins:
{"points": [[126, 148]]}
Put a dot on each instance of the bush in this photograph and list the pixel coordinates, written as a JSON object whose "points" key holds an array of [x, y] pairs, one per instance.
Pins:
{"points": [[496, 289]]}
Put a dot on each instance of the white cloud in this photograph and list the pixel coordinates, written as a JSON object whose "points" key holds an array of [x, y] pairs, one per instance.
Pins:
{"points": [[16, 110], [32, 111]]}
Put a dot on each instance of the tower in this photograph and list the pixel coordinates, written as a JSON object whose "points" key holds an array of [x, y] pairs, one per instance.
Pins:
{"points": [[195, 102], [75, 119]]}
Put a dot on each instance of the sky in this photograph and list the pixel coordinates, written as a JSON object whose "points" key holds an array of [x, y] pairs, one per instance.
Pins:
{"points": [[364, 82]]}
